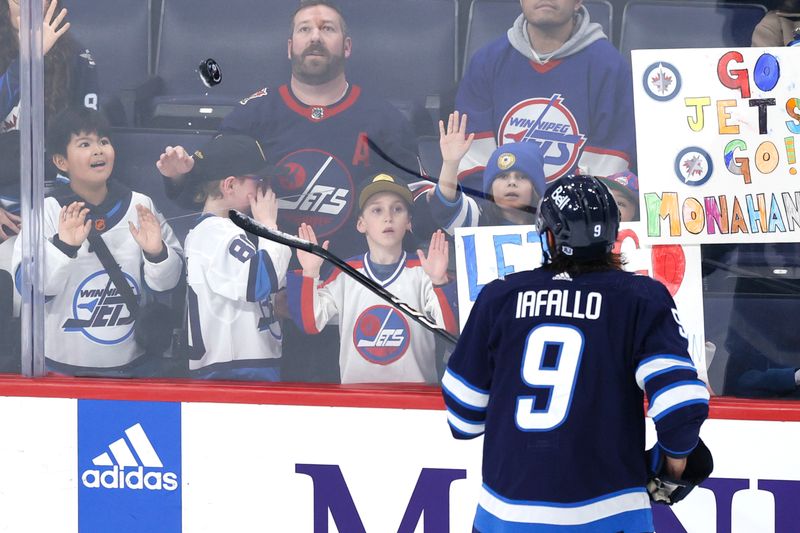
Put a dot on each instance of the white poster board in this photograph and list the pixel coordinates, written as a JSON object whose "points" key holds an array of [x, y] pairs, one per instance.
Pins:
{"points": [[717, 133], [488, 253]]}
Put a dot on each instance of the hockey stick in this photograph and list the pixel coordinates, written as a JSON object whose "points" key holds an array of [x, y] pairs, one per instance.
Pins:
{"points": [[431, 179], [248, 224]]}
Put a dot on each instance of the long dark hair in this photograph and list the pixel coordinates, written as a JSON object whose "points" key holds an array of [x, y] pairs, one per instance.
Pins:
{"points": [[564, 263], [58, 63]]}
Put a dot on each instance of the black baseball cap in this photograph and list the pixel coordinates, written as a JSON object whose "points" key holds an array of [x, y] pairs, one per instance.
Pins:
{"points": [[230, 155]]}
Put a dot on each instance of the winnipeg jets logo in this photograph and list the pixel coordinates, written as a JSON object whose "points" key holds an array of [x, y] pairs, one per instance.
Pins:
{"points": [[316, 190], [549, 124], [381, 334], [99, 310], [693, 166], [661, 81]]}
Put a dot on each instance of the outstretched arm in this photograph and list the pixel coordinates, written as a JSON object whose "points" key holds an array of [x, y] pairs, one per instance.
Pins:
{"points": [[454, 143], [175, 163], [435, 263]]}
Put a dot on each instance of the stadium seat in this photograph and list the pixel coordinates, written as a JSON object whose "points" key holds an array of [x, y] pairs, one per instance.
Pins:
{"points": [[667, 24], [248, 41], [430, 155], [749, 293], [404, 50], [118, 34], [137, 151], [490, 19]]}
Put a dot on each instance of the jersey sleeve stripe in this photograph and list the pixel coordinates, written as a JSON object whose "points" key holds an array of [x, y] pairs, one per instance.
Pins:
{"points": [[262, 277], [655, 366], [674, 453], [307, 314], [469, 411], [463, 392], [567, 515], [464, 427], [697, 401], [678, 394]]}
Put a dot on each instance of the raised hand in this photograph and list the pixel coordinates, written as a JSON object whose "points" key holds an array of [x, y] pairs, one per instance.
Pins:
{"points": [[174, 162], [148, 234], [435, 264], [454, 144], [264, 207], [454, 141], [310, 262], [51, 32], [73, 228], [9, 224]]}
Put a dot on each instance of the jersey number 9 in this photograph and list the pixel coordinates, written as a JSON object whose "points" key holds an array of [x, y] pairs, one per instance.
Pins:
{"points": [[550, 364]]}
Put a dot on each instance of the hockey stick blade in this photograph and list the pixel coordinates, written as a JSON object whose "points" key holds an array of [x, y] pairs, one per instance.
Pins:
{"points": [[256, 228]]}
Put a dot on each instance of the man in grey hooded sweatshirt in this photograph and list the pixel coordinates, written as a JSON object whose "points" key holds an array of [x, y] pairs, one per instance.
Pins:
{"points": [[555, 80]]}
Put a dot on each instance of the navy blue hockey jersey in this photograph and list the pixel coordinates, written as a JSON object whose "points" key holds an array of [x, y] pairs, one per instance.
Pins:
{"points": [[326, 152], [578, 109], [553, 370]]}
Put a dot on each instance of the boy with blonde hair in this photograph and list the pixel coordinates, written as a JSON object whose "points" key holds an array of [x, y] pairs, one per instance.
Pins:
{"points": [[378, 343]]}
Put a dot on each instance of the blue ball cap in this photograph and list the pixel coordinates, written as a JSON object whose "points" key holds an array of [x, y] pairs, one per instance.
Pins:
{"points": [[524, 157]]}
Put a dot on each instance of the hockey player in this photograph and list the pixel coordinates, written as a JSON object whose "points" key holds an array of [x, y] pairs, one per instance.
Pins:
{"points": [[556, 81], [552, 366], [378, 344], [513, 182], [89, 319], [233, 276]]}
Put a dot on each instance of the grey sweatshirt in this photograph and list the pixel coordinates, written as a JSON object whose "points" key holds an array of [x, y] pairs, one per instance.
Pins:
{"points": [[584, 34]]}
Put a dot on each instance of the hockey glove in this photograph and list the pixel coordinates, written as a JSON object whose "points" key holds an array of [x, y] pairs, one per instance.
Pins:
{"points": [[667, 490]]}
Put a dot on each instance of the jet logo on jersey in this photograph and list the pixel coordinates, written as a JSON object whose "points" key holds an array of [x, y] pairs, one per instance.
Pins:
{"points": [[381, 334], [551, 125], [316, 190], [258, 94], [99, 310]]}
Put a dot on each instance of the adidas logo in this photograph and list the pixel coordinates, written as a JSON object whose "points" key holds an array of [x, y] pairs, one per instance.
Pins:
{"points": [[136, 477], [563, 276]]}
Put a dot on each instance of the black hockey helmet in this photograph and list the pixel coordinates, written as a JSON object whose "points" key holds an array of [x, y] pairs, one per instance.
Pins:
{"points": [[578, 218]]}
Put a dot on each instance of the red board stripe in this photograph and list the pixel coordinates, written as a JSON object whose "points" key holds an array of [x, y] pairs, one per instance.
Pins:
{"points": [[396, 396]]}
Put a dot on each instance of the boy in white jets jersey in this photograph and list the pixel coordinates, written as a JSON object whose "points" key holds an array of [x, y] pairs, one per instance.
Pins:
{"points": [[89, 320], [378, 343], [233, 276]]}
